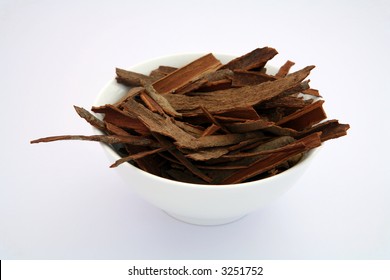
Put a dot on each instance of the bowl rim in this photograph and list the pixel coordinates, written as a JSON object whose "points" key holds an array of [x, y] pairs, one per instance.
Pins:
{"points": [[302, 162]]}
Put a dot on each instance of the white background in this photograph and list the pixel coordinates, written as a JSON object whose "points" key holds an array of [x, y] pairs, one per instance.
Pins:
{"points": [[61, 201]]}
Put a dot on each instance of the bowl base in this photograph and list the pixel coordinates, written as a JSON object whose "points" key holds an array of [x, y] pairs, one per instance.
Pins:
{"points": [[204, 222]]}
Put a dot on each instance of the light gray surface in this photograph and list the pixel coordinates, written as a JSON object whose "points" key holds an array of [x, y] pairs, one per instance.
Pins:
{"points": [[61, 201]]}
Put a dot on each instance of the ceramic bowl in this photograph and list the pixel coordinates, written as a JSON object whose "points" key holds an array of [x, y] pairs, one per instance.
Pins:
{"points": [[193, 203]]}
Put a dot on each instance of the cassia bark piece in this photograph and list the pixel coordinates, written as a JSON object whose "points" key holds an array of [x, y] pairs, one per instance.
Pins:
{"points": [[108, 139], [231, 99], [131, 78], [243, 78], [273, 160], [186, 74], [121, 119], [329, 130], [91, 119], [283, 71], [305, 117], [254, 59]]}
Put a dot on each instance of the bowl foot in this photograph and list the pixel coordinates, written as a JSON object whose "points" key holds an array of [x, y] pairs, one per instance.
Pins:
{"points": [[204, 222]]}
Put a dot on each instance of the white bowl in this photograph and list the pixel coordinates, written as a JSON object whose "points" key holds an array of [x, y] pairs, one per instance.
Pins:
{"points": [[192, 203]]}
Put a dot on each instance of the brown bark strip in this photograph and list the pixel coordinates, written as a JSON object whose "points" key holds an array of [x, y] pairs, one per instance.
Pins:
{"points": [[137, 156], [161, 101], [262, 125], [161, 72], [159, 124], [151, 104], [311, 91], [230, 99], [215, 85], [108, 139], [281, 131], [269, 162], [236, 114], [207, 154], [220, 79], [196, 131], [213, 120], [121, 119], [130, 78], [239, 114], [224, 119], [210, 130], [133, 92], [149, 165], [250, 78], [221, 167], [329, 130], [221, 140], [191, 87], [284, 69], [248, 144], [254, 59], [262, 146], [305, 117], [247, 126], [90, 118], [180, 157], [286, 102], [115, 130], [186, 74], [294, 90], [286, 148]]}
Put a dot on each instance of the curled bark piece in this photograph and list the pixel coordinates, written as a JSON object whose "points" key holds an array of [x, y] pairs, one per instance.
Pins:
{"points": [[305, 117], [186, 74]]}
